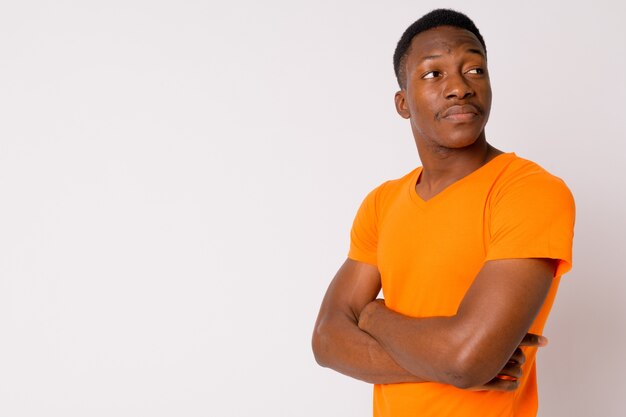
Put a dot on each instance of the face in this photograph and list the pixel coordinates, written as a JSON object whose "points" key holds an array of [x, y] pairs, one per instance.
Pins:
{"points": [[447, 94]]}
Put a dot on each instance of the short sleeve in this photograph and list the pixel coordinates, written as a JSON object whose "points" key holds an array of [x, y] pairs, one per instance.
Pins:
{"points": [[364, 233], [533, 218]]}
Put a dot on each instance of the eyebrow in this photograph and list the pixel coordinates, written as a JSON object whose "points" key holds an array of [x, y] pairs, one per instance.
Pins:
{"points": [[476, 51], [429, 57], [470, 50]]}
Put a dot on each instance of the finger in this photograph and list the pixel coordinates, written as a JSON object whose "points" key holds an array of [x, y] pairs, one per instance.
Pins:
{"points": [[511, 370], [518, 356], [531, 339]]}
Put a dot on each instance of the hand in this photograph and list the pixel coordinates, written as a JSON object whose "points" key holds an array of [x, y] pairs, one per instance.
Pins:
{"points": [[508, 378], [368, 311]]}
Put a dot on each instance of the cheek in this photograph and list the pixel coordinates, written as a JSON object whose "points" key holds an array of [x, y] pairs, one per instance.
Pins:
{"points": [[487, 107], [423, 107], [487, 97], [423, 115]]}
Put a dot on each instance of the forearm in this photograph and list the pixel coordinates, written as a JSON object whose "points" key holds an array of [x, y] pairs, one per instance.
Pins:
{"points": [[434, 348], [471, 347], [340, 345]]}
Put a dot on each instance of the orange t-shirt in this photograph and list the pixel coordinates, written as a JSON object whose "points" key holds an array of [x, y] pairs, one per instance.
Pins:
{"points": [[428, 253]]}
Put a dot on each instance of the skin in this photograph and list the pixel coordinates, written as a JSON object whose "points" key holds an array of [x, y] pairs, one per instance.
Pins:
{"points": [[340, 344], [446, 97]]}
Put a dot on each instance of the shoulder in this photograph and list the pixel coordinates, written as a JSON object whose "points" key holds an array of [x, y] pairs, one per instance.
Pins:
{"points": [[394, 187], [531, 215], [377, 201], [531, 182]]}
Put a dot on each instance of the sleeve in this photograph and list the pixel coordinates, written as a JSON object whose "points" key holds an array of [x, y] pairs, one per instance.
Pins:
{"points": [[364, 233], [533, 218]]}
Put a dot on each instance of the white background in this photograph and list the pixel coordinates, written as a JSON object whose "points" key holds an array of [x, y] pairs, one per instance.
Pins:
{"points": [[178, 180]]}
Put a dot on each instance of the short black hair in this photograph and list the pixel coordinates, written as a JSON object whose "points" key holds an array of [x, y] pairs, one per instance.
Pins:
{"points": [[433, 19]]}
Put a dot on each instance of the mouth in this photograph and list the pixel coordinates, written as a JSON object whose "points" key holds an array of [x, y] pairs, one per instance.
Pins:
{"points": [[460, 113]]}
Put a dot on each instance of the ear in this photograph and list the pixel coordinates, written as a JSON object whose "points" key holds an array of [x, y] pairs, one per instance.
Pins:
{"points": [[401, 106]]}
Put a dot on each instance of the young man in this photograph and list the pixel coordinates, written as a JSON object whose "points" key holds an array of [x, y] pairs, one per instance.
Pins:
{"points": [[468, 250]]}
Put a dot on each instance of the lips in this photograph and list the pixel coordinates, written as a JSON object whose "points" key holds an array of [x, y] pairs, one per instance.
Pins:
{"points": [[458, 111]]}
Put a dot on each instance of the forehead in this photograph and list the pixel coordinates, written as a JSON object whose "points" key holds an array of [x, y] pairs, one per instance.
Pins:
{"points": [[443, 40]]}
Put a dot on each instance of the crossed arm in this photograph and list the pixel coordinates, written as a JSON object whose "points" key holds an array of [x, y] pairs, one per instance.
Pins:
{"points": [[360, 337]]}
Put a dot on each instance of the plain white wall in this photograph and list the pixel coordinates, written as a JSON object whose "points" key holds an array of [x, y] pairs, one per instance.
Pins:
{"points": [[178, 180]]}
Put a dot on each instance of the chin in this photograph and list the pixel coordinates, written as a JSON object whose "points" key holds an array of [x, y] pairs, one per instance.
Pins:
{"points": [[461, 138]]}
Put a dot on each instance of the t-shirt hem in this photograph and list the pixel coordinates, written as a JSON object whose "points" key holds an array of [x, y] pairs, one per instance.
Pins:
{"points": [[564, 263], [361, 258]]}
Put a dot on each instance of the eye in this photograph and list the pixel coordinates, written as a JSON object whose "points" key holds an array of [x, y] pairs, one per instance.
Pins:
{"points": [[431, 74], [479, 71]]}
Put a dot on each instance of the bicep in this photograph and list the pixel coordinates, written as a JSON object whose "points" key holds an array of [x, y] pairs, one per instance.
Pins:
{"points": [[353, 287], [502, 303]]}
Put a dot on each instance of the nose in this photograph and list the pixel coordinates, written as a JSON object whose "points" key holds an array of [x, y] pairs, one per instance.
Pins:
{"points": [[458, 88]]}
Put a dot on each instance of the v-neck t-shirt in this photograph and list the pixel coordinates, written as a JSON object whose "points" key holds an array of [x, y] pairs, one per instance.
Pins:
{"points": [[428, 253]]}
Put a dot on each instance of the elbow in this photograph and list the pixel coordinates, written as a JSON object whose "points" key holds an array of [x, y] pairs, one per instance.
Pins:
{"points": [[471, 355], [319, 344], [464, 378], [471, 369]]}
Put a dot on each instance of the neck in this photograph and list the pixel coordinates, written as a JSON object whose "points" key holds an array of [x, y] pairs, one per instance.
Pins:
{"points": [[444, 166]]}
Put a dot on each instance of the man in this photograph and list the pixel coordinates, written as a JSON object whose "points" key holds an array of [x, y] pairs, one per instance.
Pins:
{"points": [[468, 250]]}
